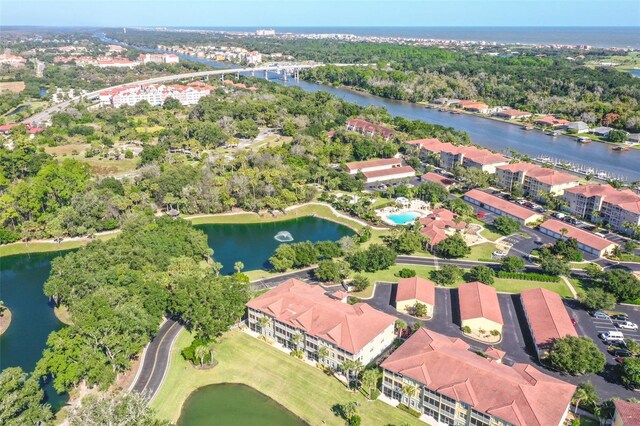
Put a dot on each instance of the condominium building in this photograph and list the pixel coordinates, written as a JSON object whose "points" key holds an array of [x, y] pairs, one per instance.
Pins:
{"points": [[302, 317], [587, 241], [369, 129], [480, 308], [373, 165], [158, 58], [155, 94], [502, 207], [440, 377], [534, 180], [604, 202], [451, 155]]}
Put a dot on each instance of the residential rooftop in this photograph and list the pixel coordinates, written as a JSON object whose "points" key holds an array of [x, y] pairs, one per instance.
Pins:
{"points": [[388, 172], [501, 204], [478, 300], [416, 288], [626, 199], [584, 237], [521, 395], [306, 307], [547, 316], [359, 165]]}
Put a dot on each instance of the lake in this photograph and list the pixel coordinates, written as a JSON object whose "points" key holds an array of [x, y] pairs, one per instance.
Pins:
{"points": [[254, 243], [22, 277], [234, 404]]}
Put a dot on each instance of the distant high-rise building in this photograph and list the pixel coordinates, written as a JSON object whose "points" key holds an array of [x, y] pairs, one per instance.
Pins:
{"points": [[265, 32]]}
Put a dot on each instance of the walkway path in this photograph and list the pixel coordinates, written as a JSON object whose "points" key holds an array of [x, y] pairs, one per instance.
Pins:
{"points": [[155, 360], [571, 287]]}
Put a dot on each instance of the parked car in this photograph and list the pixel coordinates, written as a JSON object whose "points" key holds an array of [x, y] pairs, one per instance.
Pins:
{"points": [[600, 315], [612, 335], [622, 353], [628, 325], [499, 253], [620, 317], [522, 202], [480, 215], [573, 321], [558, 215]]}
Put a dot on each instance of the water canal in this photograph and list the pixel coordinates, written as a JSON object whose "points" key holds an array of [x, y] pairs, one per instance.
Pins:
{"points": [[234, 404]]}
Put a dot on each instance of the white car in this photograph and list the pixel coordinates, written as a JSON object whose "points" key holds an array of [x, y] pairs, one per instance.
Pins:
{"points": [[628, 325]]}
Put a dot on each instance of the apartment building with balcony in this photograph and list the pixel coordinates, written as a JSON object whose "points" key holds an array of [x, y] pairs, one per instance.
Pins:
{"points": [[302, 317], [451, 155], [534, 180], [367, 128], [441, 378], [602, 202]]}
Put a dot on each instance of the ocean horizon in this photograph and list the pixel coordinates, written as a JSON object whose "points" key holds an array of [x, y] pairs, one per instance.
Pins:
{"points": [[604, 37]]}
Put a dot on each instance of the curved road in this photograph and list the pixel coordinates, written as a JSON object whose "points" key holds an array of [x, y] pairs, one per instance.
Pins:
{"points": [[155, 360]]}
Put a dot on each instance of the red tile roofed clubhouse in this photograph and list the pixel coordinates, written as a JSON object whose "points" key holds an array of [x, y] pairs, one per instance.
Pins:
{"points": [[502, 207], [452, 381], [547, 318], [587, 241], [347, 331]]}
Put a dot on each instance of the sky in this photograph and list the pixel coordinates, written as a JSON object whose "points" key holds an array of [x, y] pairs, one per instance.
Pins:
{"points": [[300, 13]]}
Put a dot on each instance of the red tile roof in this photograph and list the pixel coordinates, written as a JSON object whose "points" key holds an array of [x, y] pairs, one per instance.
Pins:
{"points": [[434, 177], [306, 307], [552, 177], [629, 412], [514, 112], [518, 167], [626, 199], [551, 121], [358, 165], [547, 316], [434, 225], [586, 238], [521, 395], [478, 155], [366, 126], [416, 288], [389, 172], [472, 104], [426, 143], [479, 300], [500, 204]]}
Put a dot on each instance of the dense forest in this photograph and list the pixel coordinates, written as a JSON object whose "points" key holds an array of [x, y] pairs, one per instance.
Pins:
{"points": [[44, 196]]}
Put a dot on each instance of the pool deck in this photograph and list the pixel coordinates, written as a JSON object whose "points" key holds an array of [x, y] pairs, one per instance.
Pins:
{"points": [[418, 207]]}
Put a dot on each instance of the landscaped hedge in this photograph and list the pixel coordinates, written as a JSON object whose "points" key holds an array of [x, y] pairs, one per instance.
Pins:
{"points": [[409, 410], [529, 276]]}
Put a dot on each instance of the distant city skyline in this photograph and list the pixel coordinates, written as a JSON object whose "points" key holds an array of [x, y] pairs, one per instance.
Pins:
{"points": [[317, 13]]}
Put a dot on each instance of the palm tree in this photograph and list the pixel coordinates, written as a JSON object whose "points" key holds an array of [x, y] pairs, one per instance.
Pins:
{"points": [[323, 353], [295, 340], [564, 231], [200, 352], [409, 390], [264, 322], [210, 347], [2, 308], [586, 393], [238, 266], [400, 327], [370, 380], [217, 266]]}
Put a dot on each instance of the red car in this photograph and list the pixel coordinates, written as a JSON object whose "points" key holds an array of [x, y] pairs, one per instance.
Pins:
{"points": [[480, 215], [573, 321]]}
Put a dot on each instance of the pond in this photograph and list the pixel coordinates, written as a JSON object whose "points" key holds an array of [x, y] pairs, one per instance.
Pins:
{"points": [[234, 404], [21, 278], [254, 243]]}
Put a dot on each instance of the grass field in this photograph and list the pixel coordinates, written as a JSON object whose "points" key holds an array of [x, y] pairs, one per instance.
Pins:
{"points": [[37, 247], [67, 150], [500, 284], [301, 388], [482, 251], [309, 210]]}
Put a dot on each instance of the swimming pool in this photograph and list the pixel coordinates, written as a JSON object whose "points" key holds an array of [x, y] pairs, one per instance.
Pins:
{"points": [[403, 218]]}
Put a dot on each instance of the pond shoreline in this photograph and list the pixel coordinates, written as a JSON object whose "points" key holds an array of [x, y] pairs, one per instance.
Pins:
{"points": [[5, 321]]}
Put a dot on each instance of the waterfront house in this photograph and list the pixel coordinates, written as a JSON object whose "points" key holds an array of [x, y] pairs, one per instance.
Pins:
{"points": [[452, 385], [415, 290], [604, 202], [587, 241], [577, 127], [551, 121], [512, 114], [534, 180], [547, 318], [502, 207], [473, 106], [602, 131], [302, 317], [369, 129], [479, 308]]}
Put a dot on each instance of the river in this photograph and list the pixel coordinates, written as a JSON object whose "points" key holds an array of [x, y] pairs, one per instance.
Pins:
{"points": [[495, 135]]}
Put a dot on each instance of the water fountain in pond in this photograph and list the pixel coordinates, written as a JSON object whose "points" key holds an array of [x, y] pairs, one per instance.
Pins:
{"points": [[284, 237]]}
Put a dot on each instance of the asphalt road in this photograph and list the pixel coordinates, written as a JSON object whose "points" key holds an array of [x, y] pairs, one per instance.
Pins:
{"points": [[156, 360]]}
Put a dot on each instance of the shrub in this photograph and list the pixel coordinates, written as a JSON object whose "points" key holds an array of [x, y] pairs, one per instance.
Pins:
{"points": [[297, 353], [528, 276], [406, 273], [409, 410], [495, 333], [355, 420], [7, 236], [375, 393], [360, 282], [466, 329], [482, 273], [189, 353], [506, 225]]}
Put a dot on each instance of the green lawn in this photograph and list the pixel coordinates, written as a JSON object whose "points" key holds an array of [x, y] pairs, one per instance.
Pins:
{"points": [[309, 210], [21, 248], [501, 284], [301, 388], [482, 251]]}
